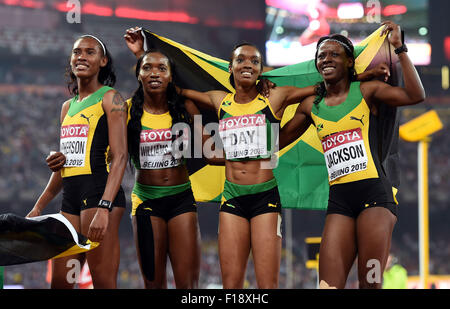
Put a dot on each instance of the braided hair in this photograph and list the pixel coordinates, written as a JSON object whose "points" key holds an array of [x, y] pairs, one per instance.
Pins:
{"points": [[321, 90], [175, 103], [106, 76]]}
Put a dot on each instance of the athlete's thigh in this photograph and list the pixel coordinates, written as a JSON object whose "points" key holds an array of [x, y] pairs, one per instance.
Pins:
{"points": [[234, 237], [337, 250], [234, 248], [110, 246], [266, 248], [159, 242], [184, 249], [104, 260], [374, 232]]}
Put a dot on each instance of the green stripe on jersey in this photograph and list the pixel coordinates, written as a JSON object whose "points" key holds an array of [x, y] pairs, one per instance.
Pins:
{"points": [[335, 113], [76, 107]]}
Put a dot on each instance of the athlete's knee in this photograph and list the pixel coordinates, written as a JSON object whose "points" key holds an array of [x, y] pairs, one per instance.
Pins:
{"points": [[158, 283], [369, 281], [232, 281], [364, 284], [61, 282], [370, 273], [104, 281], [104, 276], [273, 284], [187, 283], [188, 277]]}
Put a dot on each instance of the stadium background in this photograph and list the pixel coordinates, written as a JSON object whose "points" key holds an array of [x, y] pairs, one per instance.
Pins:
{"points": [[35, 43]]}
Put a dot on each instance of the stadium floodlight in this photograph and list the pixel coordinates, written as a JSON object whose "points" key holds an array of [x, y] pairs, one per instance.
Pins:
{"points": [[350, 11]]}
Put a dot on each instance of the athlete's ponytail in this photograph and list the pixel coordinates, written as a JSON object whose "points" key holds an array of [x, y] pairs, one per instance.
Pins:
{"points": [[321, 92]]}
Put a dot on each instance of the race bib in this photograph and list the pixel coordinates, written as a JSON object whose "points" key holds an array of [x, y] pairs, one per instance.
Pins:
{"points": [[155, 149], [244, 136], [344, 153], [74, 143]]}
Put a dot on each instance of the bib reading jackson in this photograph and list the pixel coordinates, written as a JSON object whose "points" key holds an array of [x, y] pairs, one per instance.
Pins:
{"points": [[73, 144], [344, 153], [244, 136]]}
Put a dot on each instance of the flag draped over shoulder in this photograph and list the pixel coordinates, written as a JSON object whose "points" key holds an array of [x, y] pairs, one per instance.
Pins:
{"points": [[301, 173], [26, 240]]}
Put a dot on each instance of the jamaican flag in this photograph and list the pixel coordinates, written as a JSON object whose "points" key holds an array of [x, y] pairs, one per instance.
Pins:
{"points": [[26, 240], [301, 172]]}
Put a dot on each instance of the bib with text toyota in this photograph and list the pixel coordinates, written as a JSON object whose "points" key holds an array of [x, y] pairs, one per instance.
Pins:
{"points": [[244, 136], [74, 143], [344, 153], [155, 149]]}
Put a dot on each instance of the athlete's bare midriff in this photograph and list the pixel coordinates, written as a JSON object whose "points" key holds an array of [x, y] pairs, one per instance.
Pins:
{"points": [[163, 177], [248, 172]]}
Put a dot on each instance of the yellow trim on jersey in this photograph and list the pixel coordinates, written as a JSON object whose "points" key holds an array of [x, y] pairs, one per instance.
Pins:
{"points": [[129, 109], [156, 121], [394, 194], [345, 123], [240, 109]]}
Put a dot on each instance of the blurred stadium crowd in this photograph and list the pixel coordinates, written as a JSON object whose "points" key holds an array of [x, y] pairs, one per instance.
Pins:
{"points": [[32, 90]]}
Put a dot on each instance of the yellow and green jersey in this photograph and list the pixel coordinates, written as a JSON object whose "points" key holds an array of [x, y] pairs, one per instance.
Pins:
{"points": [[156, 147], [245, 128], [348, 134], [84, 136]]}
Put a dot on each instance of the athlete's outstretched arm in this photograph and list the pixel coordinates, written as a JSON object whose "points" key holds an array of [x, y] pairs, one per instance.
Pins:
{"points": [[413, 91], [299, 123], [208, 100], [199, 131], [292, 95], [115, 108]]}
